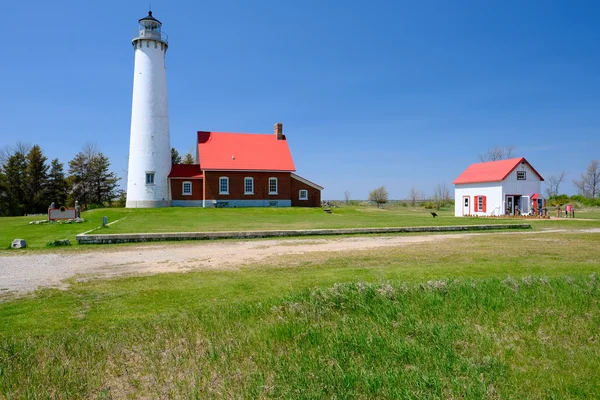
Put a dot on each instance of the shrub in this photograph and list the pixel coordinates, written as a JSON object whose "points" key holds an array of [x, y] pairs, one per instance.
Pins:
{"points": [[58, 243]]}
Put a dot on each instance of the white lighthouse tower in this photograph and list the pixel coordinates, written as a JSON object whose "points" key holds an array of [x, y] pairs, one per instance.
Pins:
{"points": [[149, 143]]}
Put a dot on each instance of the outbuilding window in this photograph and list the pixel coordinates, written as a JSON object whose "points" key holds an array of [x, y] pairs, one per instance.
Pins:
{"points": [[187, 189], [521, 175], [480, 203], [303, 194], [272, 185], [248, 185], [223, 185]]}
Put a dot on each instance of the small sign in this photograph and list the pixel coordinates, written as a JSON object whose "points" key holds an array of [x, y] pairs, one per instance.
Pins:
{"points": [[57, 213]]}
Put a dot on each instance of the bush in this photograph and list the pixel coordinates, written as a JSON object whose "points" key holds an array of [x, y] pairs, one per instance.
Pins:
{"points": [[58, 243], [559, 200], [585, 201]]}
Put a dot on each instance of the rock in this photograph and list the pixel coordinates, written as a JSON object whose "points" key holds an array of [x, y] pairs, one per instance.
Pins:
{"points": [[18, 244]]}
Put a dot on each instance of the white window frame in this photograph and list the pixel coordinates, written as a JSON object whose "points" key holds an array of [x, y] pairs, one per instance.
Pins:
{"points": [[273, 179], [524, 178], [221, 186], [251, 180], [183, 192], [480, 203], [152, 175], [305, 192]]}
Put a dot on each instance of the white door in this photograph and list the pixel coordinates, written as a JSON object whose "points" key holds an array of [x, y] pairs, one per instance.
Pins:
{"points": [[466, 206], [525, 205]]}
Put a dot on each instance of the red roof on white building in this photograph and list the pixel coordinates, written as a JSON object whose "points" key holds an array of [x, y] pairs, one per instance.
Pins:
{"points": [[223, 151], [491, 171]]}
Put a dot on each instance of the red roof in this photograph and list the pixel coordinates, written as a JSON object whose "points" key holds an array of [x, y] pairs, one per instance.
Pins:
{"points": [[185, 171], [491, 171], [243, 151]]}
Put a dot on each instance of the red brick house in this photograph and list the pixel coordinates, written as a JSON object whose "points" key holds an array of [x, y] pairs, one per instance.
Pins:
{"points": [[242, 170]]}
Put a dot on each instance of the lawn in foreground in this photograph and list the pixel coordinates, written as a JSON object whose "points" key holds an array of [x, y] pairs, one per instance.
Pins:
{"points": [[520, 321]]}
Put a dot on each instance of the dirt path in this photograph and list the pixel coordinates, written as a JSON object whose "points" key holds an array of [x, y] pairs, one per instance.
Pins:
{"points": [[24, 273]]}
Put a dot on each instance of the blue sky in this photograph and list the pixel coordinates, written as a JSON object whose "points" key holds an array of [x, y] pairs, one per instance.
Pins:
{"points": [[395, 93]]}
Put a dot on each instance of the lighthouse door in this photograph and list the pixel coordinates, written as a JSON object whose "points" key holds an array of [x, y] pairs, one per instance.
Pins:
{"points": [[466, 207]]}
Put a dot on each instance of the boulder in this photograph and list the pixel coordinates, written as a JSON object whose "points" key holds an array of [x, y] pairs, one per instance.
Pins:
{"points": [[18, 244]]}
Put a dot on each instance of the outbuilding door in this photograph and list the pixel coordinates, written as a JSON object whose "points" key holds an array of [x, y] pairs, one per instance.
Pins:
{"points": [[466, 206], [510, 205]]}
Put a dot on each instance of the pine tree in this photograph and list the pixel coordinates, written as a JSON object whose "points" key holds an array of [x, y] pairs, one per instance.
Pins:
{"points": [[78, 179], [189, 159], [91, 180], [15, 171], [103, 182], [175, 157], [3, 194], [57, 184], [36, 181]]}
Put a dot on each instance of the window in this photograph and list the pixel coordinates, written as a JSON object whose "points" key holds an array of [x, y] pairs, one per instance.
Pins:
{"points": [[187, 188], [480, 203], [149, 178], [248, 185], [223, 185], [304, 194], [521, 175], [272, 185]]}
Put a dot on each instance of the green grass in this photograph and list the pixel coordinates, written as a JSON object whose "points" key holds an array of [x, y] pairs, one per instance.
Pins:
{"points": [[486, 316], [37, 236], [239, 219]]}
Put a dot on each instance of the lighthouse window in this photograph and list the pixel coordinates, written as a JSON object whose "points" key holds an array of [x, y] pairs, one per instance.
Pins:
{"points": [[223, 185], [187, 188], [149, 178], [521, 175]]}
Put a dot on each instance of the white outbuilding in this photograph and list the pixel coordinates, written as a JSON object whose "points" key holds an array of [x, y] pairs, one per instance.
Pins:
{"points": [[504, 187]]}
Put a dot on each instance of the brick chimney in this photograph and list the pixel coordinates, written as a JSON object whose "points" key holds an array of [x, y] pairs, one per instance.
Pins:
{"points": [[279, 131]]}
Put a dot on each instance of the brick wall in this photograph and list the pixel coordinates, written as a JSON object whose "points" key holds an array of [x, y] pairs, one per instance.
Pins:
{"points": [[314, 195], [177, 189], [236, 185]]}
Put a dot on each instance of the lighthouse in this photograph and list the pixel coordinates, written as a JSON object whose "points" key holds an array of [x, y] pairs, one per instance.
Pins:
{"points": [[149, 141]]}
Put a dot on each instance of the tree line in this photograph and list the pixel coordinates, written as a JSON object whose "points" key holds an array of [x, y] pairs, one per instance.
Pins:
{"points": [[29, 184]]}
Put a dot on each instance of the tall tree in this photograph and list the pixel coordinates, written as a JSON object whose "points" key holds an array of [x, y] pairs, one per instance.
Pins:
{"points": [[91, 180], [175, 157], [57, 184], [3, 194], [102, 181], [15, 170], [36, 181], [78, 179], [589, 184], [497, 153], [554, 182], [189, 159]]}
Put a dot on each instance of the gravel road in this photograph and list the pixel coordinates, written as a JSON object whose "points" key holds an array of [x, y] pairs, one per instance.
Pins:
{"points": [[29, 271]]}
